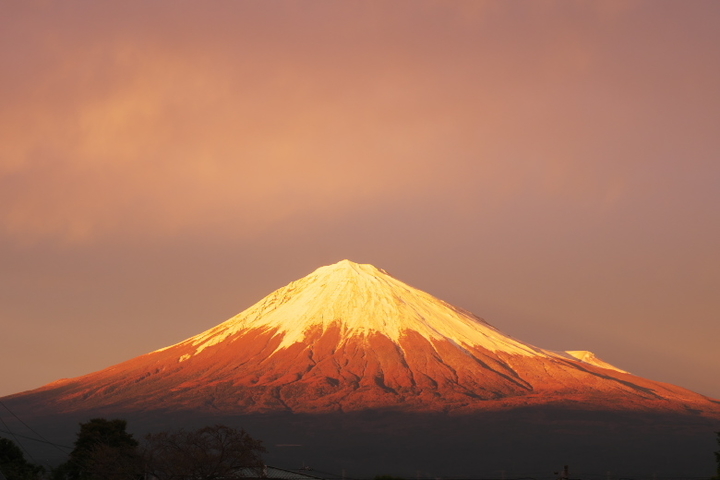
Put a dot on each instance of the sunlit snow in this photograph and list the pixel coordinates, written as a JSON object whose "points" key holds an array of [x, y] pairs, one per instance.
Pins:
{"points": [[590, 358], [361, 299]]}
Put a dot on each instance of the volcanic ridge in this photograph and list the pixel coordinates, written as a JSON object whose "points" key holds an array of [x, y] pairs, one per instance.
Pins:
{"points": [[349, 338]]}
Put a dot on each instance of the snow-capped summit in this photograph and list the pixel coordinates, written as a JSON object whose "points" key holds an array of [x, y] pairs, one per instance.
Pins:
{"points": [[350, 337], [361, 300]]}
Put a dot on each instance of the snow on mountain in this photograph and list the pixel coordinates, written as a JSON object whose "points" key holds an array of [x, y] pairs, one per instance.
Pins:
{"points": [[350, 337], [591, 358], [361, 300]]}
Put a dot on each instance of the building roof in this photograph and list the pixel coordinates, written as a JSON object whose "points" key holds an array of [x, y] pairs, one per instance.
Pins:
{"points": [[279, 473]]}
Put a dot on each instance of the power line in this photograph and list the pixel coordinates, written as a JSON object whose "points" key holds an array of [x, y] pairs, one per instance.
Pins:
{"points": [[15, 435], [17, 442], [29, 427], [34, 439]]}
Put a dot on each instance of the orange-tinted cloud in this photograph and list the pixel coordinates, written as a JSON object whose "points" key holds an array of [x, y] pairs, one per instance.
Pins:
{"points": [[236, 120]]}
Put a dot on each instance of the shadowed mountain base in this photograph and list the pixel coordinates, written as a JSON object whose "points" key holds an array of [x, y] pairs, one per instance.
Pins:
{"points": [[529, 442]]}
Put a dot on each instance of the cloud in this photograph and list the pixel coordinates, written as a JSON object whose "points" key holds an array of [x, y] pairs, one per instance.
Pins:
{"points": [[129, 120]]}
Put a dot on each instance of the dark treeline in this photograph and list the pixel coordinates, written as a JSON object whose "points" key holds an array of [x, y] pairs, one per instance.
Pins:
{"points": [[104, 450]]}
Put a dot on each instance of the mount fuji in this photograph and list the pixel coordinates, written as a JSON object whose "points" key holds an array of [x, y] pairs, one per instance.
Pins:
{"points": [[349, 358], [351, 337]]}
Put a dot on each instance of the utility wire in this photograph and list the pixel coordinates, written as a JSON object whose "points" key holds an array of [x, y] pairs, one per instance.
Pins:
{"points": [[14, 435], [34, 439], [30, 428], [17, 442], [21, 446]]}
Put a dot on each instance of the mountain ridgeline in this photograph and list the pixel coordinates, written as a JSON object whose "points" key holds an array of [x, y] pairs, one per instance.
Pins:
{"points": [[350, 337]]}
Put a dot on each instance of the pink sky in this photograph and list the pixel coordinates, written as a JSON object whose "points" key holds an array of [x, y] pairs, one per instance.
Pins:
{"points": [[553, 167]]}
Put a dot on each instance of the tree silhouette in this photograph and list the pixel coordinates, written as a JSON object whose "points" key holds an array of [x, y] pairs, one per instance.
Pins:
{"points": [[717, 456], [13, 464], [204, 454], [103, 450]]}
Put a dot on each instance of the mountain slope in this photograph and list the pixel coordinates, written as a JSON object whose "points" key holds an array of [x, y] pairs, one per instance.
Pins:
{"points": [[350, 337]]}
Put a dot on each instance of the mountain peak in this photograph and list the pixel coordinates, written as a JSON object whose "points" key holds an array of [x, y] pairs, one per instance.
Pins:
{"points": [[348, 267], [360, 300], [347, 264], [351, 337]]}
